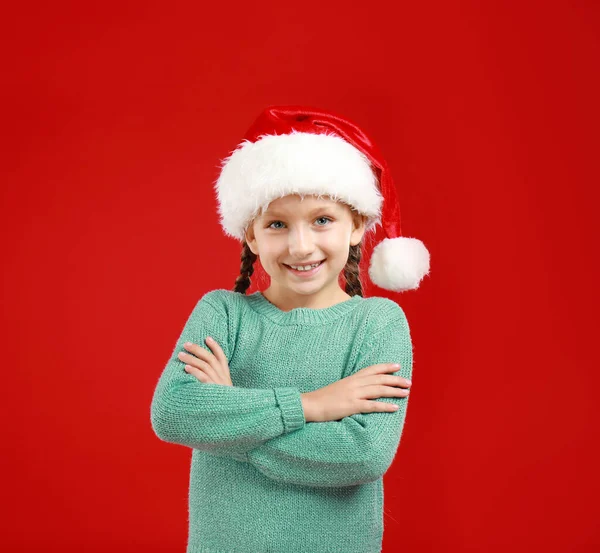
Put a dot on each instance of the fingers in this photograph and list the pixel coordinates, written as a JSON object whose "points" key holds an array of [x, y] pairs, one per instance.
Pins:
{"points": [[390, 380], [216, 349], [214, 363], [221, 363], [380, 407], [194, 361], [384, 391], [380, 370], [197, 373]]}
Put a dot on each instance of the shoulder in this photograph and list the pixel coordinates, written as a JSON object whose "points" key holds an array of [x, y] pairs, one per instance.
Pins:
{"points": [[380, 308], [383, 313], [222, 299], [226, 302]]}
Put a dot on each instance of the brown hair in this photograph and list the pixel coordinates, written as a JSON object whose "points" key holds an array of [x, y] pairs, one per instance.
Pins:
{"points": [[351, 270]]}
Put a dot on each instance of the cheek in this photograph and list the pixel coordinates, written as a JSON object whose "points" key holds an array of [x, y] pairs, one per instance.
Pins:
{"points": [[334, 243], [265, 245], [270, 255]]}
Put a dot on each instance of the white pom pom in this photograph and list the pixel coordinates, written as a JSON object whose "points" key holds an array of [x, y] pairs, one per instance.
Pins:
{"points": [[399, 264]]}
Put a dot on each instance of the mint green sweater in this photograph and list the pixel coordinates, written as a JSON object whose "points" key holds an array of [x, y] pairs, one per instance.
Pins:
{"points": [[262, 478]]}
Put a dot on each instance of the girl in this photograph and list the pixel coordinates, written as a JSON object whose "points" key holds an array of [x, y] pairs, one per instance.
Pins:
{"points": [[275, 391]]}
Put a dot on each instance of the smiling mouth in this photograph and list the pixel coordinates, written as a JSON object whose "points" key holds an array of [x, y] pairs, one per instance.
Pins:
{"points": [[307, 264]]}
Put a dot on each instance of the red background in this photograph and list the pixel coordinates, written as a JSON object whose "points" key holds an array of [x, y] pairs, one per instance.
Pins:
{"points": [[116, 116]]}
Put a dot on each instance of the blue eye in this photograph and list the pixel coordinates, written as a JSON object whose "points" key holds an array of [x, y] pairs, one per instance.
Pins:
{"points": [[270, 225]]}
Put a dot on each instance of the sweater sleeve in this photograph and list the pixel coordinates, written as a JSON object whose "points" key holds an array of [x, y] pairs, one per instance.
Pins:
{"points": [[213, 417], [356, 449]]}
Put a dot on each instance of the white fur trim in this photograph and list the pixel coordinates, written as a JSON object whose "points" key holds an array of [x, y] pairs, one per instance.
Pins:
{"points": [[257, 173], [399, 264]]}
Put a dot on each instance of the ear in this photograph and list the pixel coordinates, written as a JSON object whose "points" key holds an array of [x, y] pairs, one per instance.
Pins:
{"points": [[359, 225], [251, 238]]}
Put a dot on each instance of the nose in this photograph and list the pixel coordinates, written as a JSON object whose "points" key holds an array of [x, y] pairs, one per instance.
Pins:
{"points": [[301, 244]]}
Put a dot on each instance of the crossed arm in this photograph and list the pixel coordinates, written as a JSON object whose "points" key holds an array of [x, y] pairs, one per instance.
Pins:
{"points": [[267, 427]]}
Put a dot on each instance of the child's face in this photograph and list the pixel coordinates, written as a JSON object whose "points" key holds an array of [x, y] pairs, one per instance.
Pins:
{"points": [[296, 231]]}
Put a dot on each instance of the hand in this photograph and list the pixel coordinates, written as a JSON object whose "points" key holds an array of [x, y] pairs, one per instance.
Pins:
{"points": [[206, 366], [351, 395]]}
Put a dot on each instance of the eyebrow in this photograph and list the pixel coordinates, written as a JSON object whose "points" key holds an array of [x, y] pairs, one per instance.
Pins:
{"points": [[311, 212]]}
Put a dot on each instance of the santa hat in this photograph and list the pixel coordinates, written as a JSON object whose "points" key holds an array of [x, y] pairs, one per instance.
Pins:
{"points": [[303, 150]]}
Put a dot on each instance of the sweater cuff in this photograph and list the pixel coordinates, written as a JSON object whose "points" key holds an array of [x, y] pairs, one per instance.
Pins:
{"points": [[292, 412]]}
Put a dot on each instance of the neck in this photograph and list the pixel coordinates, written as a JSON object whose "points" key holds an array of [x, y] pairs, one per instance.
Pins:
{"points": [[287, 302]]}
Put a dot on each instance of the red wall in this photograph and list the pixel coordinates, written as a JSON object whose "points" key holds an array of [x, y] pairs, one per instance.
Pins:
{"points": [[116, 116]]}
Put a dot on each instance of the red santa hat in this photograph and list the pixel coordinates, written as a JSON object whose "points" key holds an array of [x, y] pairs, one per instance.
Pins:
{"points": [[303, 150]]}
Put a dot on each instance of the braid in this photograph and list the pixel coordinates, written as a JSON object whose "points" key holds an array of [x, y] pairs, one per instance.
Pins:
{"points": [[352, 271], [242, 282]]}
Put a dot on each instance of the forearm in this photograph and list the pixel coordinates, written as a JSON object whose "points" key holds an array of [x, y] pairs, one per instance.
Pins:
{"points": [[351, 451], [239, 451], [207, 416]]}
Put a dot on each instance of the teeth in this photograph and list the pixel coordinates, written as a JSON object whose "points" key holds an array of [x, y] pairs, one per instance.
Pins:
{"points": [[305, 267]]}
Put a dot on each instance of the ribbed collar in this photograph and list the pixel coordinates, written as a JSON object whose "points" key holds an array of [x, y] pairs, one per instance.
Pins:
{"points": [[301, 315]]}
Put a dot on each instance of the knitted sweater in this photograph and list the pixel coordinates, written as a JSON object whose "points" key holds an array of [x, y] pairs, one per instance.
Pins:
{"points": [[262, 478]]}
